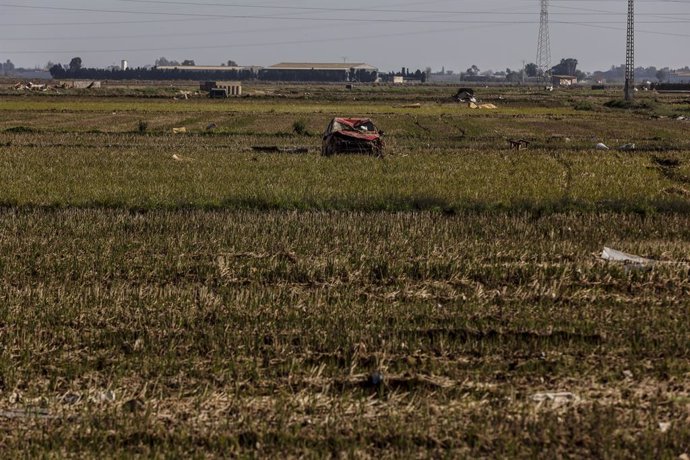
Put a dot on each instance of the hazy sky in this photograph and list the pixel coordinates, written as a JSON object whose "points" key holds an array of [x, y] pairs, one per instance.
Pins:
{"points": [[493, 34]]}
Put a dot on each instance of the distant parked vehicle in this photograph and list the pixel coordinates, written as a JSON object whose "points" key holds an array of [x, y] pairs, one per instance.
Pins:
{"points": [[218, 93], [352, 135]]}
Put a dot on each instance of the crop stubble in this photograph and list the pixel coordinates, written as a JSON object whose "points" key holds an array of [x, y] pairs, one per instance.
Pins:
{"points": [[167, 308]]}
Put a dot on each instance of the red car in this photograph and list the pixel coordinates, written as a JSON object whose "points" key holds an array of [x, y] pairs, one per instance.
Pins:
{"points": [[352, 135]]}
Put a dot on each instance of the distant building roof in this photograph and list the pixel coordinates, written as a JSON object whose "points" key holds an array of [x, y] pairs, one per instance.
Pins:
{"points": [[322, 66]]}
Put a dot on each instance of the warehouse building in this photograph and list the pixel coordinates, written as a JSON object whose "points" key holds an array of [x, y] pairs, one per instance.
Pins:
{"points": [[320, 72]]}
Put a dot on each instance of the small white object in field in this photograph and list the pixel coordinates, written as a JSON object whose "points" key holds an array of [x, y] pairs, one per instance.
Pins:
{"points": [[556, 398], [613, 255]]}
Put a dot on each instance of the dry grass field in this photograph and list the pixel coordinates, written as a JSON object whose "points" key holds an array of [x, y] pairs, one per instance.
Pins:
{"points": [[182, 295]]}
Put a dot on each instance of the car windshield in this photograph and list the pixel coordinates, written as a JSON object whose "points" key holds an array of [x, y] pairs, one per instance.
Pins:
{"points": [[361, 126]]}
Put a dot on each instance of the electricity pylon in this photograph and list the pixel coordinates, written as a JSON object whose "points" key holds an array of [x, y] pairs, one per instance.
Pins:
{"points": [[630, 54], [544, 45]]}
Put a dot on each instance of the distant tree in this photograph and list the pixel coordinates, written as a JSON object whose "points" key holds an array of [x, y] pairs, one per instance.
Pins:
{"points": [[57, 71], [580, 75], [6, 67], [531, 70], [188, 62], [232, 63], [663, 74], [163, 62], [513, 77], [566, 67], [75, 64], [473, 71]]}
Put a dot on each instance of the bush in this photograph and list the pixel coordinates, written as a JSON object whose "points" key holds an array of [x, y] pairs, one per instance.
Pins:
{"points": [[583, 105], [623, 104], [299, 127], [143, 126]]}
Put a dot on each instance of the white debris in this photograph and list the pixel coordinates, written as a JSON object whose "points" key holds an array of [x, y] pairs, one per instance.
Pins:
{"points": [[98, 397], [613, 255], [627, 147], [558, 398], [664, 426], [601, 146]]}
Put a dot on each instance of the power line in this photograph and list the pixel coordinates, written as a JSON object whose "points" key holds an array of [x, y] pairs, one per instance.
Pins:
{"points": [[324, 40], [321, 9]]}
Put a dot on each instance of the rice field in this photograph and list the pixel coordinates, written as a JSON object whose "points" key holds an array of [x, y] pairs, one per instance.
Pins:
{"points": [[183, 295]]}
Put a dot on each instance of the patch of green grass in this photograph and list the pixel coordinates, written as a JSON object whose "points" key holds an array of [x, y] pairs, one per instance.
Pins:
{"points": [[21, 130]]}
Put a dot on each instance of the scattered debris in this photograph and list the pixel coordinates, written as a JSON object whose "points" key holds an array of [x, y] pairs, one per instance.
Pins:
{"points": [[473, 105], [613, 255], [627, 147], [211, 126], [465, 95], [628, 374], [179, 130], [107, 396], [179, 158], [70, 399], [664, 426], [518, 144], [411, 106], [276, 149], [556, 398], [376, 379], [602, 146], [681, 118], [30, 87]]}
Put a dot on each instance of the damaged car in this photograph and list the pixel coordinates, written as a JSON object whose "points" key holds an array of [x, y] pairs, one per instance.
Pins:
{"points": [[352, 135]]}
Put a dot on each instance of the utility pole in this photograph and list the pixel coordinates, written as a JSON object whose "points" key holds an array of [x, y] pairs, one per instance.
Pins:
{"points": [[630, 54], [544, 45]]}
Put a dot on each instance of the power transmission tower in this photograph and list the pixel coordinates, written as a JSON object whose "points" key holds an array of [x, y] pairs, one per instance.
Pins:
{"points": [[630, 54], [544, 45]]}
